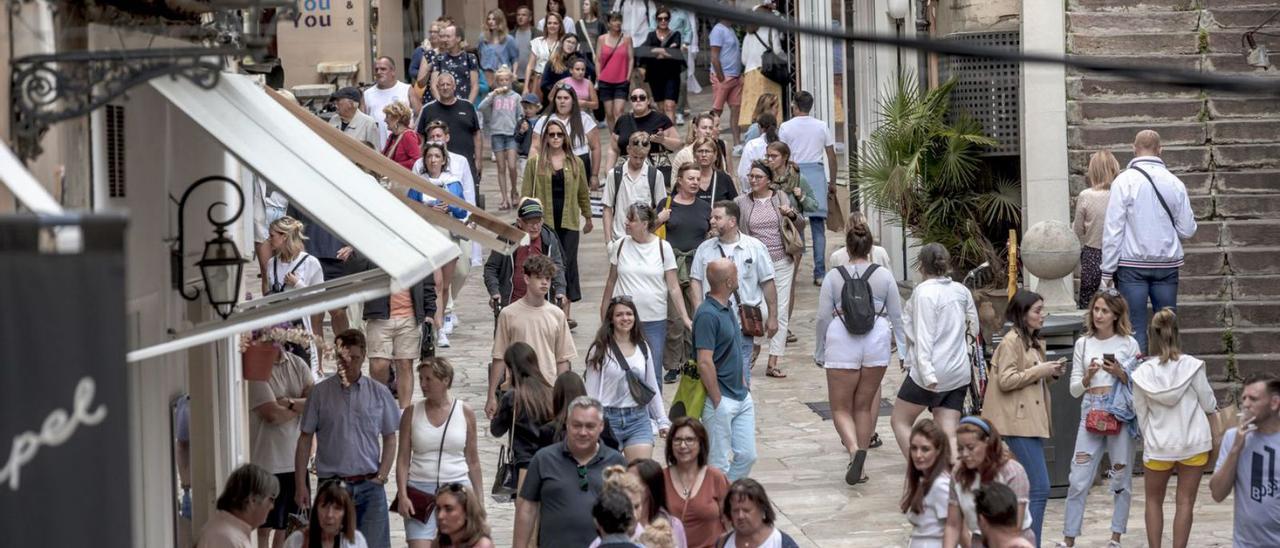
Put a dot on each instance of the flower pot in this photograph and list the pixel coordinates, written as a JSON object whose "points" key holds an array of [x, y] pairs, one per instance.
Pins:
{"points": [[257, 360]]}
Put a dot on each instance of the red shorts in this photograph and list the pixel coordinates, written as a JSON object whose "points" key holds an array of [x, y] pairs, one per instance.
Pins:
{"points": [[728, 90]]}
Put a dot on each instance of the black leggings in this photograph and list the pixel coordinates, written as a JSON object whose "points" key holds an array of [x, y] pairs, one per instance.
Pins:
{"points": [[569, 244]]}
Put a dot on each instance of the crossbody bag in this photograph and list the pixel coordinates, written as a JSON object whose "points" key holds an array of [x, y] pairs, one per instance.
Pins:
{"points": [[750, 317], [424, 503]]}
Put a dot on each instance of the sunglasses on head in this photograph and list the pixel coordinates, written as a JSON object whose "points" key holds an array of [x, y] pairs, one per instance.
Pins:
{"points": [[621, 299], [583, 484]]}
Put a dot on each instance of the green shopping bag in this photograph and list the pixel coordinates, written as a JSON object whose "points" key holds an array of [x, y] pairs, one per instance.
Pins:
{"points": [[690, 395]]}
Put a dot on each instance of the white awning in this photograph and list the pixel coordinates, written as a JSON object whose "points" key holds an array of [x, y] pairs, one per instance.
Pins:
{"points": [[322, 181], [24, 186]]}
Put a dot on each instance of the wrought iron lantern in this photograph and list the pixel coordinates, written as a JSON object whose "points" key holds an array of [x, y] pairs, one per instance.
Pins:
{"points": [[221, 266]]}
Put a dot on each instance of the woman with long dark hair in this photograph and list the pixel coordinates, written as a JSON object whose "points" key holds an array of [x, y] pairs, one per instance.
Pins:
{"points": [[558, 179], [583, 138], [982, 460], [619, 351], [928, 491], [526, 406], [560, 65], [654, 507], [333, 521], [1017, 399]]}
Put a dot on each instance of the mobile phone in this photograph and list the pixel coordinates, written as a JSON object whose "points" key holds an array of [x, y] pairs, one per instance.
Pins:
{"points": [[1108, 357]]}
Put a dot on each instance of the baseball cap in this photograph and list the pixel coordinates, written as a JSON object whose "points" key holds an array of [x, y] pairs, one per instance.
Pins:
{"points": [[529, 208], [347, 93], [530, 98]]}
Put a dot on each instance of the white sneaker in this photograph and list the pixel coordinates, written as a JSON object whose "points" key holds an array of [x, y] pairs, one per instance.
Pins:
{"points": [[450, 322], [1113, 544], [442, 340], [737, 150], [679, 118]]}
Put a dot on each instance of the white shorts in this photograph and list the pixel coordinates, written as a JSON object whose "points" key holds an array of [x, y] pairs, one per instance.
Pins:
{"points": [[845, 351]]}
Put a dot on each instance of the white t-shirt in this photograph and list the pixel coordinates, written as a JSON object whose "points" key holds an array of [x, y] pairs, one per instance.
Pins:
{"points": [[642, 270], [631, 190], [295, 540], [459, 169], [1257, 489], [569, 26], [581, 144], [929, 525], [1090, 348], [753, 49], [272, 446], [376, 98], [840, 257], [808, 138]]}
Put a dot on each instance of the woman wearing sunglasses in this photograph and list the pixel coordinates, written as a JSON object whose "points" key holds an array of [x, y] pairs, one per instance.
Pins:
{"points": [[663, 61], [556, 177], [583, 137], [663, 137], [619, 363]]}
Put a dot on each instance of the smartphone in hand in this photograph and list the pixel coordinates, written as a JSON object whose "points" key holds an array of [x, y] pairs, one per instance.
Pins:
{"points": [[1108, 357]]}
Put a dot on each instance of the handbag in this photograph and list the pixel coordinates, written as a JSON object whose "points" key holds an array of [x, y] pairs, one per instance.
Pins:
{"points": [[835, 212], [772, 65], [1099, 421], [792, 240], [424, 503], [507, 476], [661, 232], [640, 392], [750, 317]]}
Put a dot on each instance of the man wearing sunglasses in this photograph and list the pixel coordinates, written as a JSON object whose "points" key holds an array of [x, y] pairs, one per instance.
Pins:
{"points": [[563, 481]]}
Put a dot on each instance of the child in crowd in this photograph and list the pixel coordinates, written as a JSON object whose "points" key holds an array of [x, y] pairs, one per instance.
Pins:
{"points": [[501, 111], [524, 138]]}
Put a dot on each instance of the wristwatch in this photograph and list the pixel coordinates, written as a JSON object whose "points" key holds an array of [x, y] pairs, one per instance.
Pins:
{"points": [[291, 405]]}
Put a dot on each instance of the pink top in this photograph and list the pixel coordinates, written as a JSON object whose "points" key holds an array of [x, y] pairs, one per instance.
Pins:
{"points": [[614, 71], [581, 87]]}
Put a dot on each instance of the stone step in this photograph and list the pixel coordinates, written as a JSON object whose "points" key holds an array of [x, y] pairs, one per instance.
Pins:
{"points": [[1246, 364], [1208, 234], [1085, 85], [1239, 157], [1234, 16], [1235, 182], [1140, 6], [1136, 110], [1255, 314], [1203, 262], [1103, 23], [1265, 340], [1232, 132], [1206, 315], [1236, 106], [1124, 42], [1255, 288], [1106, 135], [1251, 232], [1203, 288], [1253, 260], [1206, 340], [1251, 207], [1228, 41], [1178, 159]]}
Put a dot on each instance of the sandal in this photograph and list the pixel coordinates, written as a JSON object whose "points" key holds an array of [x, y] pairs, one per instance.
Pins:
{"points": [[853, 472], [791, 337], [775, 373]]}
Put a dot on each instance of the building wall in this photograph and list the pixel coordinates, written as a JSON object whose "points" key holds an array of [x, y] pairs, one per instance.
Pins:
{"points": [[977, 15], [1224, 147]]}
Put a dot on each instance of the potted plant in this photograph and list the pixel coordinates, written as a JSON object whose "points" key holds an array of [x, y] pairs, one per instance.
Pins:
{"points": [[259, 349]]}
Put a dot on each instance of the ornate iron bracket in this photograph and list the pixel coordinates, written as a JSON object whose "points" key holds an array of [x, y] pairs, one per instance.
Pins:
{"points": [[47, 89]]}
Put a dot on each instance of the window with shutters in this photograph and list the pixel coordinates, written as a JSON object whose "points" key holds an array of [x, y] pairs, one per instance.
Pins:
{"points": [[116, 186], [987, 89]]}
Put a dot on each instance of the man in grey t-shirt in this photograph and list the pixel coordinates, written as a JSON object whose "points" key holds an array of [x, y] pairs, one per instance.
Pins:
{"points": [[1247, 465]]}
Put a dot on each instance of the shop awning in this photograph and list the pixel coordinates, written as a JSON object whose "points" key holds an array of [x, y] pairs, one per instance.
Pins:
{"points": [[24, 186], [321, 181]]}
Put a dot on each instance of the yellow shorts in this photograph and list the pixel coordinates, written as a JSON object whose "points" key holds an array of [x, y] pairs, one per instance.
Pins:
{"points": [[1166, 465]]}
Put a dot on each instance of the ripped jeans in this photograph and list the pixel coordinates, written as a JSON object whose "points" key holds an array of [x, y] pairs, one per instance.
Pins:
{"points": [[1084, 468]]}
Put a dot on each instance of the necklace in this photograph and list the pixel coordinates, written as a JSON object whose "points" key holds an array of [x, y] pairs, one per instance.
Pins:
{"points": [[685, 486]]}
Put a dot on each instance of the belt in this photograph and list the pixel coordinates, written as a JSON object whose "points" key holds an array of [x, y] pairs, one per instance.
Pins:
{"points": [[351, 480]]}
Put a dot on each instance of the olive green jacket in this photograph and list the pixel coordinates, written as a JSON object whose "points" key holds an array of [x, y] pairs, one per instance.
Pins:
{"points": [[537, 184], [786, 184]]}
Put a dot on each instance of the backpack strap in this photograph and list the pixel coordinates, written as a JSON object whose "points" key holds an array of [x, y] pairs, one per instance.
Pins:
{"points": [[617, 185], [1160, 197], [653, 186], [866, 276]]}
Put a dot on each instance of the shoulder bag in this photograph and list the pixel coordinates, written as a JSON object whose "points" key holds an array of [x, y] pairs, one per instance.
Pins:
{"points": [[640, 392], [507, 476], [750, 317], [792, 241], [424, 503], [772, 65], [1098, 420]]}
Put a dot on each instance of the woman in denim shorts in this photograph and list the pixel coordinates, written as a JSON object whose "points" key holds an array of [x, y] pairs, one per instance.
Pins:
{"points": [[619, 351]]}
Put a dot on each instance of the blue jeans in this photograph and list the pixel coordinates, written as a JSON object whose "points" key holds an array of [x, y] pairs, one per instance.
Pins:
{"points": [[655, 333], [818, 226], [731, 429], [371, 513], [631, 425], [1030, 454], [1136, 284], [1089, 448], [748, 343]]}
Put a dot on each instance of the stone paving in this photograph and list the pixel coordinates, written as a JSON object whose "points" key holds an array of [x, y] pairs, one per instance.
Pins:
{"points": [[801, 461]]}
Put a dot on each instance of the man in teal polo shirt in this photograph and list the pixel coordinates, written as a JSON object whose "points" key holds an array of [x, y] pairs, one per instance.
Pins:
{"points": [[728, 414]]}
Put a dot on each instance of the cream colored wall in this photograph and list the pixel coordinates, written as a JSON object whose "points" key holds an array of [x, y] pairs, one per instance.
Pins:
{"points": [[977, 15], [325, 31]]}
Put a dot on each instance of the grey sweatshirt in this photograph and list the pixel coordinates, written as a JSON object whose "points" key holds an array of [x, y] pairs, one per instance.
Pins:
{"points": [[501, 112]]}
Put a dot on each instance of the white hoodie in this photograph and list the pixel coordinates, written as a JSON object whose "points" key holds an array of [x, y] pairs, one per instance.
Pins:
{"points": [[1171, 400]]}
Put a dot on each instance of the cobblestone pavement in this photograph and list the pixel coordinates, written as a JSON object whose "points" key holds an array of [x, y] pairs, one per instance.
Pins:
{"points": [[801, 461]]}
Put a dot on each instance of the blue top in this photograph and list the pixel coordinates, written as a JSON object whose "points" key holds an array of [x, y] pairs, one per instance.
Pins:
{"points": [[730, 50], [349, 424], [493, 56], [454, 188], [715, 328]]}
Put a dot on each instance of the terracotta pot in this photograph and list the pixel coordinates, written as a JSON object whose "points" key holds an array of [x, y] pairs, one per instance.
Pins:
{"points": [[257, 360]]}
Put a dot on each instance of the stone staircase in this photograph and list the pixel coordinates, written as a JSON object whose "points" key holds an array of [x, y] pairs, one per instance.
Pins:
{"points": [[1226, 148]]}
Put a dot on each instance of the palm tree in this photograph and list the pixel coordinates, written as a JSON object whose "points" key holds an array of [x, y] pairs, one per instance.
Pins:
{"points": [[925, 173]]}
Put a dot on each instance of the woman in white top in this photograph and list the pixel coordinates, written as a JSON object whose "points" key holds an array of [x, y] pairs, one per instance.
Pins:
{"points": [[540, 49], [643, 268], [557, 7], [291, 268], [584, 136], [437, 447], [606, 379], [1091, 215], [937, 323], [982, 459], [333, 521], [1178, 415], [855, 364], [1101, 360], [928, 490]]}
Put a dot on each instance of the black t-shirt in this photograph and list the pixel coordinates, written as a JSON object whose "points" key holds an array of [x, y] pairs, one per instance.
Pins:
{"points": [[687, 227], [557, 197], [463, 124], [524, 139], [723, 186], [651, 123]]}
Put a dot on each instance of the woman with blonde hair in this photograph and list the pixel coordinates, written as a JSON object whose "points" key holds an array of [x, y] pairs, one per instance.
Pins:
{"points": [[702, 126], [1178, 415], [616, 479], [540, 50], [403, 146], [1100, 368], [292, 268], [1091, 215], [496, 47], [767, 103]]}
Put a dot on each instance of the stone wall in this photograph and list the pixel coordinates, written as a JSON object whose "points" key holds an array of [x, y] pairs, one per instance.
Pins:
{"points": [[1226, 148]]}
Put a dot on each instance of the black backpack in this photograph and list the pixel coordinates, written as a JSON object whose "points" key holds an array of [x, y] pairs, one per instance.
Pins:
{"points": [[857, 304]]}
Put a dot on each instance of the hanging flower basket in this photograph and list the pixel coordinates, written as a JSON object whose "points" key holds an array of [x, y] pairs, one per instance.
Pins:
{"points": [[257, 359]]}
